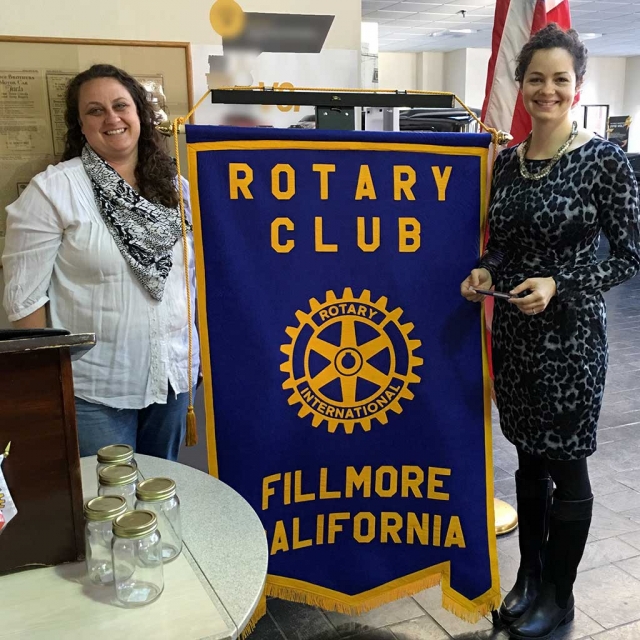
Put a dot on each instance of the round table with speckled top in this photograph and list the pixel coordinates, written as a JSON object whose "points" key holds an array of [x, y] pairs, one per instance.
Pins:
{"points": [[221, 532]]}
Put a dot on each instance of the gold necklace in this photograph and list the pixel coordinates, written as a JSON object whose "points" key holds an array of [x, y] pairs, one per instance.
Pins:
{"points": [[546, 170]]}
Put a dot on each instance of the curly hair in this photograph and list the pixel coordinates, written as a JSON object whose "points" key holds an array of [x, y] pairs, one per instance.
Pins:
{"points": [[553, 37], [156, 171]]}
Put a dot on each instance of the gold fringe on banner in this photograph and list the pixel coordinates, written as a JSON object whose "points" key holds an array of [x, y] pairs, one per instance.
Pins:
{"points": [[260, 612], [462, 611], [469, 611], [294, 594]]}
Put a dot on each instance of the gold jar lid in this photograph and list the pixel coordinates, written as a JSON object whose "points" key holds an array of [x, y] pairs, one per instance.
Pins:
{"points": [[104, 508], [156, 489], [135, 524], [116, 454], [117, 475]]}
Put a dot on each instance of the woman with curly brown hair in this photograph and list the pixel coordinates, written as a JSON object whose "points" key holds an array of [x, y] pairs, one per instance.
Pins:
{"points": [[94, 240], [552, 196]]}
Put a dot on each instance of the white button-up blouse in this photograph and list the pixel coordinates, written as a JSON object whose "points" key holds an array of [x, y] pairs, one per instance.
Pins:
{"points": [[59, 250]]}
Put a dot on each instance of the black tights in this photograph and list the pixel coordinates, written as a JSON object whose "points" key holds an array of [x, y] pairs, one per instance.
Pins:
{"points": [[571, 477]]}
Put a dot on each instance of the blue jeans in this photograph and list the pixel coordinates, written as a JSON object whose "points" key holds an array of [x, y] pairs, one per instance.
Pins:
{"points": [[156, 430]]}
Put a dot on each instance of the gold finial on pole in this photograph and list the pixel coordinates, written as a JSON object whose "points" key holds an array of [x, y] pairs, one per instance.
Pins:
{"points": [[504, 138], [165, 128], [6, 450]]}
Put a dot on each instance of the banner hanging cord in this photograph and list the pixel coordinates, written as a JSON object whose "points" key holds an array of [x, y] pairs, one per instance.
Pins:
{"points": [[191, 437], [498, 138]]}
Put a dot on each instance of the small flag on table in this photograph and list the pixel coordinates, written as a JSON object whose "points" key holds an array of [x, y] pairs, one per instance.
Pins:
{"points": [[7, 506]]}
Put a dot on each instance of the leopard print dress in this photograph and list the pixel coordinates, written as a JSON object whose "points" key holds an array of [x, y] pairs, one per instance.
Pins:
{"points": [[550, 368]]}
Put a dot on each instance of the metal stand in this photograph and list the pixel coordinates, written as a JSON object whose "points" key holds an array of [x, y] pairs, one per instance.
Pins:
{"points": [[334, 110]]}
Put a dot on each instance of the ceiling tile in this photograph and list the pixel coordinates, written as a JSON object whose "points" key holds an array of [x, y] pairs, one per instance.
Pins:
{"points": [[617, 20], [416, 6], [388, 15], [447, 9], [374, 5], [471, 4]]}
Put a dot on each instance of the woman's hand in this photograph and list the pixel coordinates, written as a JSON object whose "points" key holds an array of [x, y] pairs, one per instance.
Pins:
{"points": [[480, 278], [542, 290], [200, 378]]}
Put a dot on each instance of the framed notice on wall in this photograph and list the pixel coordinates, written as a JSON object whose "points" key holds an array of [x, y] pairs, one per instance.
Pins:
{"points": [[596, 117], [34, 73], [56, 87], [23, 116]]}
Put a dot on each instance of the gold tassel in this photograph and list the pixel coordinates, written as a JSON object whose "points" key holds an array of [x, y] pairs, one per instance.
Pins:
{"points": [[192, 429], [471, 616]]}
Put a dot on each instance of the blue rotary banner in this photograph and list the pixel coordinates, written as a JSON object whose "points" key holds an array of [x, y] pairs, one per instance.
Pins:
{"points": [[346, 385]]}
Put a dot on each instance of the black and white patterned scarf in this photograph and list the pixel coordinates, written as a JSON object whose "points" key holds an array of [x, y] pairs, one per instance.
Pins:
{"points": [[144, 232]]}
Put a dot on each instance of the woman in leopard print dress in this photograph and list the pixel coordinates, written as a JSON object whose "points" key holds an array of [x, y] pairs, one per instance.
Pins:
{"points": [[552, 197]]}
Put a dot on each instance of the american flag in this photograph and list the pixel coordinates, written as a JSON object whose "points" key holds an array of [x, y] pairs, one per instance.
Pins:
{"points": [[514, 23]]}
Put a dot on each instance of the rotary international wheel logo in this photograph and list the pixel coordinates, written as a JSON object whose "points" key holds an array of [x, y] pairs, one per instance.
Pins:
{"points": [[349, 361]]}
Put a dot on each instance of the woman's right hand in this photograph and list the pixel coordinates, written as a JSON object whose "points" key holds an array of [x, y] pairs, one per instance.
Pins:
{"points": [[480, 278]]}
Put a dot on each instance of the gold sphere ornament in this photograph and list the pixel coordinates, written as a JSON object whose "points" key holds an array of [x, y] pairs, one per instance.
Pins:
{"points": [[227, 18], [506, 517]]}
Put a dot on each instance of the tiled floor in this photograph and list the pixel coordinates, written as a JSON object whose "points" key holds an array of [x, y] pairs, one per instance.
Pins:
{"points": [[608, 586]]}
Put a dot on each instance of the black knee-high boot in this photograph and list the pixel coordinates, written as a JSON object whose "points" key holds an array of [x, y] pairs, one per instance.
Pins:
{"points": [[554, 606], [534, 500]]}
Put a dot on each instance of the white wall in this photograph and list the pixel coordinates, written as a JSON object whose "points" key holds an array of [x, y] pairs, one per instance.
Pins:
{"points": [[455, 72], [632, 102], [187, 21], [426, 71], [430, 71], [465, 74], [398, 71], [462, 72], [411, 71], [476, 77], [605, 84], [614, 81]]}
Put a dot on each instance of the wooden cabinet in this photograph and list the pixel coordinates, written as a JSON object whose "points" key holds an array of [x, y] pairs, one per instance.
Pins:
{"points": [[37, 414]]}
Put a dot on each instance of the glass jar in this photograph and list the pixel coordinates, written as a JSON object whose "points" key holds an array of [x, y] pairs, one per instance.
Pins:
{"points": [[98, 532], [137, 558], [159, 495], [114, 454], [119, 480]]}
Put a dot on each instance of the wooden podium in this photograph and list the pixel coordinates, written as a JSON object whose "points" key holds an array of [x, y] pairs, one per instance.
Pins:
{"points": [[37, 414]]}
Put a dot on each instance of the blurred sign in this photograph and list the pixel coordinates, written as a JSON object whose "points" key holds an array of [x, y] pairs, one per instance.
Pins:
{"points": [[618, 130], [281, 33]]}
